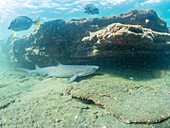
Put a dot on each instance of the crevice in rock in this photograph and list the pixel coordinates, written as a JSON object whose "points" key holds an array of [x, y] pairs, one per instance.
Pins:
{"points": [[88, 102], [6, 105], [160, 120]]}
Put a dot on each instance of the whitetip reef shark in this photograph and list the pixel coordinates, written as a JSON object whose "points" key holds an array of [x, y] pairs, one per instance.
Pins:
{"points": [[63, 71]]}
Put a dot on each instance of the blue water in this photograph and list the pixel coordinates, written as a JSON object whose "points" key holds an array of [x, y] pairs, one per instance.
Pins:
{"points": [[68, 9]]}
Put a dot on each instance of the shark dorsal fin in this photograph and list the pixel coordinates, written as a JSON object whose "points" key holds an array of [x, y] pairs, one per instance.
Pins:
{"points": [[58, 63], [36, 66]]}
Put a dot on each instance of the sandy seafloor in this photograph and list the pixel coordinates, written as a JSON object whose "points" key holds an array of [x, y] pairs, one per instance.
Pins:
{"points": [[38, 102]]}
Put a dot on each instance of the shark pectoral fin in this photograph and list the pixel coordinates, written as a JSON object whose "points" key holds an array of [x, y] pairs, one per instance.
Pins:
{"points": [[72, 78]]}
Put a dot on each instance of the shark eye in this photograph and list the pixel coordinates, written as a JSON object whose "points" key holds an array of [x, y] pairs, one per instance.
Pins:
{"points": [[94, 68]]}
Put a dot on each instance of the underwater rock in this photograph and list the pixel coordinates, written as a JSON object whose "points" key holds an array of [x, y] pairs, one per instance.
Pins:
{"points": [[122, 39], [60, 40], [131, 45], [139, 17]]}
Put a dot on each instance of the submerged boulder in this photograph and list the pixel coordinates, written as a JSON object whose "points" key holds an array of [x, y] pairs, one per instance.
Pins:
{"points": [[122, 39], [60, 40]]}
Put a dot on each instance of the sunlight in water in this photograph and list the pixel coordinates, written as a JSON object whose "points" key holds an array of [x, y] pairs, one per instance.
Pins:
{"points": [[84, 63]]}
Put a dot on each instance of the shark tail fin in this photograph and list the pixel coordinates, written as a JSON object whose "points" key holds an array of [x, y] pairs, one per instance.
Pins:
{"points": [[25, 70]]}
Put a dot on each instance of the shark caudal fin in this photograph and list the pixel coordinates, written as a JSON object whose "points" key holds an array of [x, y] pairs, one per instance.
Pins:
{"points": [[25, 70], [36, 22]]}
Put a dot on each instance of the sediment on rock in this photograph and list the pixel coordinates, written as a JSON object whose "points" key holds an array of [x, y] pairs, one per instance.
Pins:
{"points": [[140, 102]]}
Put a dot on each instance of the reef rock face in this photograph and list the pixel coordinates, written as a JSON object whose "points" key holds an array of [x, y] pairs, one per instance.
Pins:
{"points": [[145, 18], [127, 40], [60, 40]]}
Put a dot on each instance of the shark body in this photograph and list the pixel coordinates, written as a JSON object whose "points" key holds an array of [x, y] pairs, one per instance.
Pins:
{"points": [[65, 71]]}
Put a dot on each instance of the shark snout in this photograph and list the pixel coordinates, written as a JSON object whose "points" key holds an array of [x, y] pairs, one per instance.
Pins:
{"points": [[95, 67]]}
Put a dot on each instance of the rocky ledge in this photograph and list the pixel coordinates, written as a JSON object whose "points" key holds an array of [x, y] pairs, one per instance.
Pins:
{"points": [[122, 39], [62, 40]]}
